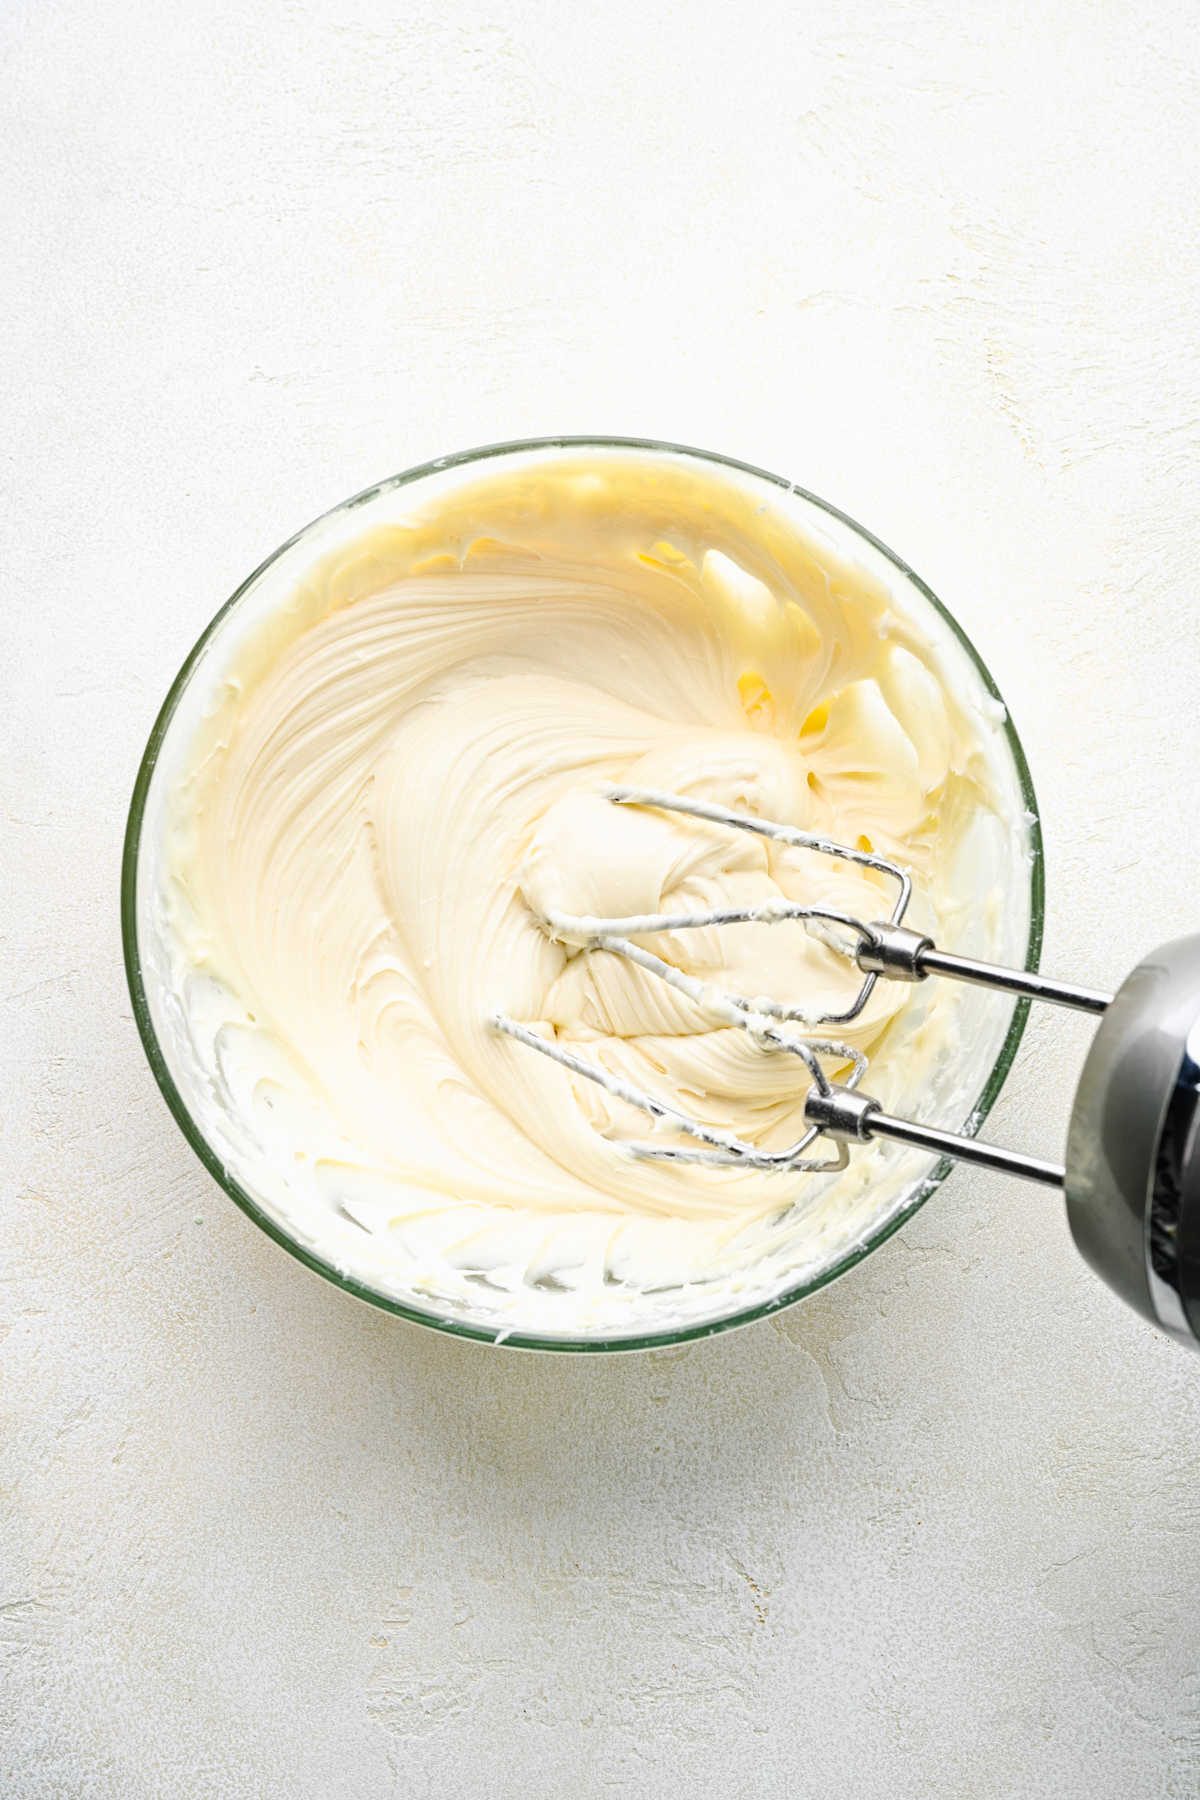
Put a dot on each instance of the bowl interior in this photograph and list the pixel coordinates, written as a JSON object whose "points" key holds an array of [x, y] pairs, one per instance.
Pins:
{"points": [[1004, 863]]}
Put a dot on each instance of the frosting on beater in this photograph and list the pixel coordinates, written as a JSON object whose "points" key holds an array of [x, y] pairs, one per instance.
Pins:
{"points": [[401, 778]]}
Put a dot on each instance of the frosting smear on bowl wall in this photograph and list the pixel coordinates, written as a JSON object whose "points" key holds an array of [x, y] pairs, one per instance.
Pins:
{"points": [[399, 775]]}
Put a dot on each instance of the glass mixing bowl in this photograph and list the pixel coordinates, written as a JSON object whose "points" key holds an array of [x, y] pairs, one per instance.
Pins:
{"points": [[995, 1032]]}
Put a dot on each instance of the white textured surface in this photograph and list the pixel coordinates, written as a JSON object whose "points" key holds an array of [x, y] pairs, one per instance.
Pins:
{"points": [[936, 1533]]}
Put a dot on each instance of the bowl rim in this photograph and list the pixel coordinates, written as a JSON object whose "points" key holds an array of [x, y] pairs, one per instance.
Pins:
{"points": [[405, 1309]]}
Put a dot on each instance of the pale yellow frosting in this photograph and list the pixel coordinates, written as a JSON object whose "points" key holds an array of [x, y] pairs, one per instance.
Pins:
{"points": [[401, 778]]}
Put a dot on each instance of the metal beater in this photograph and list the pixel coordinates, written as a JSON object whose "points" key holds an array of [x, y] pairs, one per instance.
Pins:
{"points": [[1132, 1174]]}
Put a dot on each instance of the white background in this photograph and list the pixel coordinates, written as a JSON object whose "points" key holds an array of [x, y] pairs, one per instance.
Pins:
{"points": [[935, 1533]]}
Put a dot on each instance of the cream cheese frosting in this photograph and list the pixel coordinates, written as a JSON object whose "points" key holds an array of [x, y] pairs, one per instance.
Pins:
{"points": [[400, 780]]}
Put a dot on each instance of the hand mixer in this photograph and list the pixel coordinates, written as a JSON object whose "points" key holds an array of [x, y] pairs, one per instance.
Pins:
{"points": [[1132, 1174]]}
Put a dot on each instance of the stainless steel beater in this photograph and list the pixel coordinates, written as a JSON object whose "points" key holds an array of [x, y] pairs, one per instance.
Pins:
{"points": [[1132, 1174]]}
